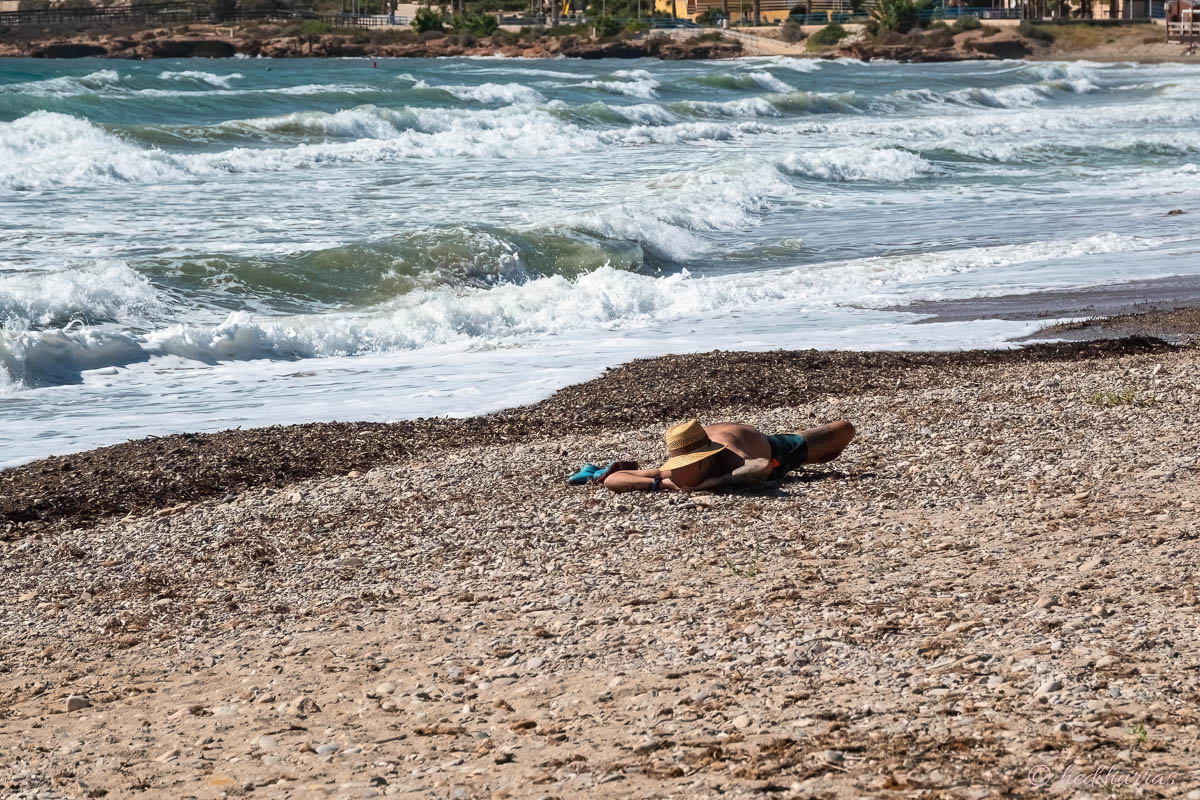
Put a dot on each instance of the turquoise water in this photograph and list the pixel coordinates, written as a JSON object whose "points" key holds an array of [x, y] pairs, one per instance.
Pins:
{"points": [[198, 244]]}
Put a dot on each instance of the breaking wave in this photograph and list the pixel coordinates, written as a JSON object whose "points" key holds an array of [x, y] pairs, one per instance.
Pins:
{"points": [[88, 295], [199, 77], [857, 164], [602, 298]]}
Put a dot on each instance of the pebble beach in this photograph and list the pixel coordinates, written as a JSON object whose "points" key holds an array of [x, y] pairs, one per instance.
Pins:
{"points": [[991, 593]]}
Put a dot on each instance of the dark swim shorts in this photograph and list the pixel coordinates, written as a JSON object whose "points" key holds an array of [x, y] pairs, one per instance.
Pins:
{"points": [[790, 450]]}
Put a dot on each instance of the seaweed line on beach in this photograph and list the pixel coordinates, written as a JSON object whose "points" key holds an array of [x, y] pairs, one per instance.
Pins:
{"points": [[148, 474]]}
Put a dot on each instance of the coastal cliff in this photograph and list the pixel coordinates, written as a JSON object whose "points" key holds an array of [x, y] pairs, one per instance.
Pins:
{"points": [[207, 41]]}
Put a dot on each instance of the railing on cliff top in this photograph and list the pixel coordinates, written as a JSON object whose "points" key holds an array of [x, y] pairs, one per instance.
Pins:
{"points": [[926, 15], [185, 12]]}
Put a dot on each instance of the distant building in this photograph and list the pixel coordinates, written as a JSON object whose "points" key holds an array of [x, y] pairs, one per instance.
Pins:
{"points": [[770, 11]]}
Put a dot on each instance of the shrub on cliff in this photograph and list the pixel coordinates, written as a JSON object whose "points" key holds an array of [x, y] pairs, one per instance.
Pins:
{"points": [[792, 32], [606, 27], [392, 36], [828, 36], [708, 16], [477, 25], [893, 15], [1029, 30], [969, 22], [941, 37], [314, 28], [426, 19]]}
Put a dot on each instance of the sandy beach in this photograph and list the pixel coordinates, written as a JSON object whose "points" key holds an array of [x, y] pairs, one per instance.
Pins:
{"points": [[991, 593]]}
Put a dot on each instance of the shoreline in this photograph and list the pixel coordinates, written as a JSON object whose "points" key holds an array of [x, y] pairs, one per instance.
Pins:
{"points": [[1154, 315], [131, 478]]}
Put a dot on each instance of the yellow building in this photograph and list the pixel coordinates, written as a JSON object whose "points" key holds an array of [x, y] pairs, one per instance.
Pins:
{"points": [[770, 11]]}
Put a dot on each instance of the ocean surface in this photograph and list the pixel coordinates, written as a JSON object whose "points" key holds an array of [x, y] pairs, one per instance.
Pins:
{"points": [[199, 245]]}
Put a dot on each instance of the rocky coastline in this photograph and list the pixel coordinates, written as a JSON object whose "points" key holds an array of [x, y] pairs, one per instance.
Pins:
{"points": [[198, 41]]}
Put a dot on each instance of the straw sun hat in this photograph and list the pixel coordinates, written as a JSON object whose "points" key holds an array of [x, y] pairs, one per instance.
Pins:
{"points": [[687, 443]]}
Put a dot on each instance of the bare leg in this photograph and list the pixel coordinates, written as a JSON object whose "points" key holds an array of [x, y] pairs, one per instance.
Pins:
{"points": [[826, 442]]}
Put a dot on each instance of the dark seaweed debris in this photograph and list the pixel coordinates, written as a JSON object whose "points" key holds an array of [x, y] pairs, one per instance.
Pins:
{"points": [[148, 474]]}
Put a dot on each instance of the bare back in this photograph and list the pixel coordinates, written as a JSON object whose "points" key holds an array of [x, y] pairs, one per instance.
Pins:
{"points": [[746, 443]]}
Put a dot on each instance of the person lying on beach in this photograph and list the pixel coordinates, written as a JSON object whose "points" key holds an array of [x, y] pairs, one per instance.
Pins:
{"points": [[729, 455]]}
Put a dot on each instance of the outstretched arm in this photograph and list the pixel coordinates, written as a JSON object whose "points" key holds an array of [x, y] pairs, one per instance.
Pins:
{"points": [[634, 480], [753, 472]]}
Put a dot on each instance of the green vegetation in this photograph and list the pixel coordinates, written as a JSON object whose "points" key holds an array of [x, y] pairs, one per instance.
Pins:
{"points": [[567, 30], [749, 570], [1031, 30], [708, 16], [1139, 733], [426, 20], [636, 26], [968, 22], [1123, 397], [828, 36], [711, 36], [799, 9], [314, 28], [900, 16], [606, 27], [476, 25], [792, 31]]}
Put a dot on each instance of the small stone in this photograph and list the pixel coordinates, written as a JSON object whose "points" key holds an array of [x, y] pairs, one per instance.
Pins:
{"points": [[77, 702], [833, 756], [1105, 661], [266, 743], [1045, 601], [326, 749], [385, 688], [647, 745], [741, 721], [1050, 686], [300, 707], [353, 474], [170, 755]]}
